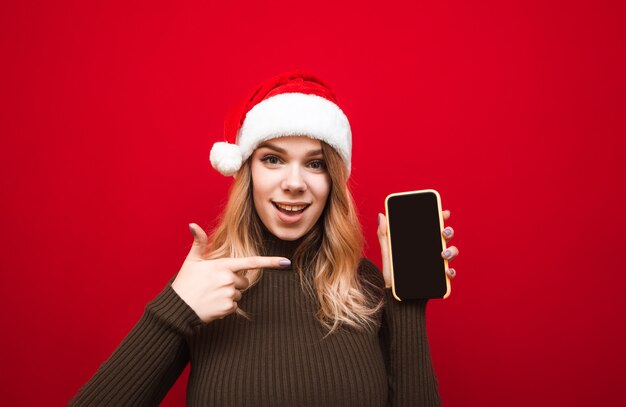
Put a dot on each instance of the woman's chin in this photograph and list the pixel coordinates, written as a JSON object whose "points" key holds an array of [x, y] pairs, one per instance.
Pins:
{"points": [[289, 235]]}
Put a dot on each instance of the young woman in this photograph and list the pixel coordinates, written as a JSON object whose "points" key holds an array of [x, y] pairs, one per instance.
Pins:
{"points": [[277, 307]]}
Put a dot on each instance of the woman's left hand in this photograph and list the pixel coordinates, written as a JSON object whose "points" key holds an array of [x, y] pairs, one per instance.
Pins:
{"points": [[449, 253]]}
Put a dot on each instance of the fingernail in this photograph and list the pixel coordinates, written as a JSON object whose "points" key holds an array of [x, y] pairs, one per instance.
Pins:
{"points": [[447, 254], [285, 263], [451, 272], [447, 232], [193, 232]]}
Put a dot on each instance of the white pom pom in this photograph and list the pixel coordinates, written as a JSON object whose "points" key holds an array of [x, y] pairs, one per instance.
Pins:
{"points": [[226, 158]]}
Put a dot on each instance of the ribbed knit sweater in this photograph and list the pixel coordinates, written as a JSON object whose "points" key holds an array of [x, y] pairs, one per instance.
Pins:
{"points": [[281, 356]]}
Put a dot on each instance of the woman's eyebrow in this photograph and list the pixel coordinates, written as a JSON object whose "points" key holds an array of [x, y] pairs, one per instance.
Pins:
{"points": [[314, 152], [272, 147], [283, 151]]}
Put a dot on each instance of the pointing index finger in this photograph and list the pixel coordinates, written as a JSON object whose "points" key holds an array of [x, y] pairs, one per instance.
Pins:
{"points": [[255, 262]]}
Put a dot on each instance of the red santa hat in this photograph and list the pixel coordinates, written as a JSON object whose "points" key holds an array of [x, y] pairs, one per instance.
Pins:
{"points": [[290, 104]]}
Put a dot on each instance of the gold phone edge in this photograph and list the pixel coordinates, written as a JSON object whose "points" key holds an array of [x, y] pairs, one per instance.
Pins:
{"points": [[443, 240]]}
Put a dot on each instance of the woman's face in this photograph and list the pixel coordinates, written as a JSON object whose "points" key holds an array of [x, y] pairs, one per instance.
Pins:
{"points": [[290, 185]]}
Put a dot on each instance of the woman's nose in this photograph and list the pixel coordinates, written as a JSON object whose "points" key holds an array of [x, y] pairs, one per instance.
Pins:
{"points": [[294, 180]]}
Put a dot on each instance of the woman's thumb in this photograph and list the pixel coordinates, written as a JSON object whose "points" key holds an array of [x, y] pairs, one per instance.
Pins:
{"points": [[382, 226], [200, 241]]}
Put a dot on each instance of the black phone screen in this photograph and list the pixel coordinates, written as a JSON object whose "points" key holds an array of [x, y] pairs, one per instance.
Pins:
{"points": [[416, 245]]}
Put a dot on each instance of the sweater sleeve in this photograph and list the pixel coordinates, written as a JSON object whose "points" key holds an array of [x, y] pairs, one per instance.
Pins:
{"points": [[412, 380], [404, 342], [148, 361]]}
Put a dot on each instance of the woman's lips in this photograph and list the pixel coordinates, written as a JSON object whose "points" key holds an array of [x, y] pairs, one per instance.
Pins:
{"points": [[290, 213], [290, 207]]}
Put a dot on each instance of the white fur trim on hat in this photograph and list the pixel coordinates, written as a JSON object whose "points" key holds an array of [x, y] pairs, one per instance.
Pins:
{"points": [[296, 114], [226, 158]]}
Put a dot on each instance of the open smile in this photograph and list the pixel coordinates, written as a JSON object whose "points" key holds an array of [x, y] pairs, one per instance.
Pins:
{"points": [[291, 209]]}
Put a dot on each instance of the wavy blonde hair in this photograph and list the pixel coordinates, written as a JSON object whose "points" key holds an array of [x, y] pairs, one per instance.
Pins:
{"points": [[345, 298]]}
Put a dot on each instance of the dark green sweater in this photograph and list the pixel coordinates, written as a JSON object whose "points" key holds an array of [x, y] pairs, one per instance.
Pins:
{"points": [[278, 358]]}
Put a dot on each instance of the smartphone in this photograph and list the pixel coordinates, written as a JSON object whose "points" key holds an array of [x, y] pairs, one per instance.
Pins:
{"points": [[414, 226]]}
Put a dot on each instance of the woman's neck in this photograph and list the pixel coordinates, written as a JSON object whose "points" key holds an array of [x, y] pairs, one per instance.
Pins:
{"points": [[273, 246]]}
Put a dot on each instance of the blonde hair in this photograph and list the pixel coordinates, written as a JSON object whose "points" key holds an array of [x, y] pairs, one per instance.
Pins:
{"points": [[343, 295]]}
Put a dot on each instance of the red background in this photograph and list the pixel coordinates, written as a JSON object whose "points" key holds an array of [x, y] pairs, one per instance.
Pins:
{"points": [[515, 111]]}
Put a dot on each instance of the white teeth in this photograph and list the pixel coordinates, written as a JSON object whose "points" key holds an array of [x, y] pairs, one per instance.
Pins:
{"points": [[291, 208]]}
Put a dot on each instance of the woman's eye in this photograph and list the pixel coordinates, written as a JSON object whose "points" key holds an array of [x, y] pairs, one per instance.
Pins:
{"points": [[271, 159], [318, 165]]}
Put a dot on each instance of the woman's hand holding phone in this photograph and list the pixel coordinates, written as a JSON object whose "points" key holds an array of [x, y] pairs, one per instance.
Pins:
{"points": [[448, 234], [212, 288]]}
